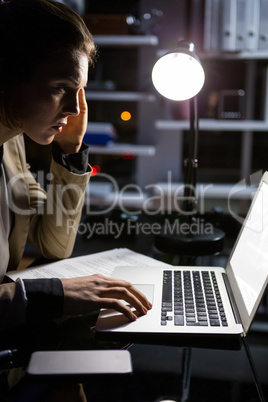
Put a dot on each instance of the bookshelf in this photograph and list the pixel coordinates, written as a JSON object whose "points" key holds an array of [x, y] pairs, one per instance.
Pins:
{"points": [[161, 135], [213, 124], [121, 97]]}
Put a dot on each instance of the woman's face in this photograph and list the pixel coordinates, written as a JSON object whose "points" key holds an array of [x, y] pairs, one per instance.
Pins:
{"points": [[44, 103]]}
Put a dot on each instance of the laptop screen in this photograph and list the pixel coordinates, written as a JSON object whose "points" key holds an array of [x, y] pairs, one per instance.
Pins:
{"points": [[249, 261]]}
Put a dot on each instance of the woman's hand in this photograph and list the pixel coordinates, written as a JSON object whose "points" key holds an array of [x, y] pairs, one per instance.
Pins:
{"points": [[90, 293], [71, 137]]}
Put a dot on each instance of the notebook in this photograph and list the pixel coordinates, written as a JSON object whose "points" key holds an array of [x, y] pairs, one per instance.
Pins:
{"points": [[233, 293]]}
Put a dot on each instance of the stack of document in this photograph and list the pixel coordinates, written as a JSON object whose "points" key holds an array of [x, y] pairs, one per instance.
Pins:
{"points": [[99, 263], [236, 25]]}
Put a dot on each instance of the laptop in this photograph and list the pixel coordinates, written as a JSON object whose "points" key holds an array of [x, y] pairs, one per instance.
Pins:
{"points": [[181, 295]]}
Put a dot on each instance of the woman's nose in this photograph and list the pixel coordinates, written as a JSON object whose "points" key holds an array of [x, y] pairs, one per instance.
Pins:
{"points": [[71, 105]]}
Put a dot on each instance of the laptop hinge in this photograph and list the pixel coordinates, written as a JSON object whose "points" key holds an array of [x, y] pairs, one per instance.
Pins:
{"points": [[232, 299]]}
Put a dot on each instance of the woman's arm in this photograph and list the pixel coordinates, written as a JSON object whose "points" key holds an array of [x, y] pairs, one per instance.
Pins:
{"points": [[53, 229], [13, 304]]}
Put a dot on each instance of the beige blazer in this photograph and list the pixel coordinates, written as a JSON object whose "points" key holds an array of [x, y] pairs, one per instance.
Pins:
{"points": [[46, 220]]}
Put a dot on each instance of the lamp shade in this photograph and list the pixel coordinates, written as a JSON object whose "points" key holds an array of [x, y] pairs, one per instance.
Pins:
{"points": [[179, 75]]}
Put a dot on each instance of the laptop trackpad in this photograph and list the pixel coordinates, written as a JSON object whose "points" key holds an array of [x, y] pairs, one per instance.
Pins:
{"points": [[147, 290], [111, 319]]}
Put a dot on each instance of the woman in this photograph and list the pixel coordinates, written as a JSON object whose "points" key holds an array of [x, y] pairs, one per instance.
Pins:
{"points": [[45, 52]]}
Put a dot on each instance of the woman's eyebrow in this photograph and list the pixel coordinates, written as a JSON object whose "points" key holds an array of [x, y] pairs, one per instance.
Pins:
{"points": [[69, 78], [63, 76], [76, 80]]}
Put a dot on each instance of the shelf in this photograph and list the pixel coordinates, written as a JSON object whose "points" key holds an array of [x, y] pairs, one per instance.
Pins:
{"points": [[244, 55], [213, 124], [213, 191], [163, 196], [119, 149], [125, 40], [119, 96]]}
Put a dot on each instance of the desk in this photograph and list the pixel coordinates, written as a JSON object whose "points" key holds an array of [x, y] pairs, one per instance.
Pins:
{"points": [[227, 371]]}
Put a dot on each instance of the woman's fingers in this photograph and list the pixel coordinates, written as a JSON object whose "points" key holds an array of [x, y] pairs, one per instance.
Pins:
{"points": [[82, 102], [137, 293], [122, 293], [134, 291], [115, 304], [85, 294]]}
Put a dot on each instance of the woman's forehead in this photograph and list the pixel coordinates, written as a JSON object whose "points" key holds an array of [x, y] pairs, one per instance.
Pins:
{"points": [[64, 67]]}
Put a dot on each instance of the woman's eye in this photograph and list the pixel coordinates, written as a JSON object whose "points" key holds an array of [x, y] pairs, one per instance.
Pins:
{"points": [[62, 89]]}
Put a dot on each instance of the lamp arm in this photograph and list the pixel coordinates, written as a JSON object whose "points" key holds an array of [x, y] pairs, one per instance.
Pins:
{"points": [[193, 128], [191, 163]]}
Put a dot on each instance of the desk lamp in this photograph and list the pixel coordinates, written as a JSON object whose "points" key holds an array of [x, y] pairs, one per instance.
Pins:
{"points": [[179, 76]]}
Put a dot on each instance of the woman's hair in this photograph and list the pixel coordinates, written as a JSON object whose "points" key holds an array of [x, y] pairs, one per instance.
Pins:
{"points": [[32, 31]]}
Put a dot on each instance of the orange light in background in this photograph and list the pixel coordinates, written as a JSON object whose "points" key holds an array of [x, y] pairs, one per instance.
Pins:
{"points": [[95, 170], [126, 116]]}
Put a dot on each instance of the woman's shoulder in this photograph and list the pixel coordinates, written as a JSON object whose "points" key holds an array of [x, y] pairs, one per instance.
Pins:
{"points": [[15, 143]]}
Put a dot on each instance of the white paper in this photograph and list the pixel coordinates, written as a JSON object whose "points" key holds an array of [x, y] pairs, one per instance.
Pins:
{"points": [[98, 263]]}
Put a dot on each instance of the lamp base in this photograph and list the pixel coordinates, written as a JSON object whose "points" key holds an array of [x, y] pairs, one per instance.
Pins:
{"points": [[183, 240]]}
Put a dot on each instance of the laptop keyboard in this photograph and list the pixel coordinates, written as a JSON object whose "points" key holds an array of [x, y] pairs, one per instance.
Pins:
{"points": [[192, 298]]}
